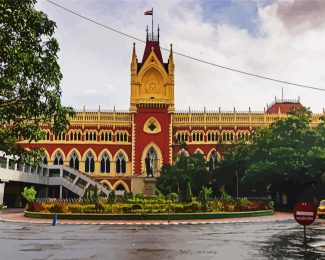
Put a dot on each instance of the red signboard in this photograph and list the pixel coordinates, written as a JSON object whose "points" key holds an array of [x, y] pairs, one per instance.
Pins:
{"points": [[304, 213]]}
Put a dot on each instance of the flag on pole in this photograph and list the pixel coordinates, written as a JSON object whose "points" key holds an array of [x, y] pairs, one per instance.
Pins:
{"points": [[149, 12]]}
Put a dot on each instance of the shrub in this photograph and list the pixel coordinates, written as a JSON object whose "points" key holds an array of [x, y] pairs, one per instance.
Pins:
{"points": [[89, 208], [205, 194], [29, 194], [111, 197], [35, 206], [59, 207], [229, 205], [216, 205], [139, 196], [189, 195], [136, 206], [55, 209], [243, 204], [99, 207], [224, 195], [75, 208], [159, 194], [194, 206], [174, 197]]}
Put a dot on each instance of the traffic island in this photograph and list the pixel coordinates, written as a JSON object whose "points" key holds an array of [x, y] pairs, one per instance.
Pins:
{"points": [[160, 216], [149, 209]]}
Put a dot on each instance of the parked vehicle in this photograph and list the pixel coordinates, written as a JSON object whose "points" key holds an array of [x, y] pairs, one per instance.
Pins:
{"points": [[321, 209]]}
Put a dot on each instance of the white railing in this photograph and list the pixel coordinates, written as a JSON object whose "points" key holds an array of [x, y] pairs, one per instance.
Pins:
{"points": [[58, 175]]}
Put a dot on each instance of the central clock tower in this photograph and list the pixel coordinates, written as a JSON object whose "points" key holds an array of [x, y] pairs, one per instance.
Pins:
{"points": [[152, 106]]}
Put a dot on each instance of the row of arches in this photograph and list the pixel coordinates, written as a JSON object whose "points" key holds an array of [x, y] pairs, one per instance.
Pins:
{"points": [[89, 135], [88, 160], [225, 136], [117, 186]]}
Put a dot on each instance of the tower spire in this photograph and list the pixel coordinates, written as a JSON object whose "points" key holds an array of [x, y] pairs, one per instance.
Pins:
{"points": [[171, 65], [134, 62]]}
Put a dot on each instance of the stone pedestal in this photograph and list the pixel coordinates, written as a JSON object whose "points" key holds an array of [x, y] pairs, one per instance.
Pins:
{"points": [[149, 188]]}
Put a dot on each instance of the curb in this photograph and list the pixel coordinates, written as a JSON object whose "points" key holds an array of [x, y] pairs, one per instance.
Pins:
{"points": [[157, 217], [150, 223]]}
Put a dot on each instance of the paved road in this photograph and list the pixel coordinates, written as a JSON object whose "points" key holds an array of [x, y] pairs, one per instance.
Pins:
{"points": [[261, 240]]}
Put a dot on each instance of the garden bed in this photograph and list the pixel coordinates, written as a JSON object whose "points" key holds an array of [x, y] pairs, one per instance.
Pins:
{"points": [[161, 216], [149, 209]]}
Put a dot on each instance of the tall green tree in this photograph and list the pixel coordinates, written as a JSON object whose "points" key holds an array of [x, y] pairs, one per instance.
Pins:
{"points": [[30, 93], [190, 169], [289, 150]]}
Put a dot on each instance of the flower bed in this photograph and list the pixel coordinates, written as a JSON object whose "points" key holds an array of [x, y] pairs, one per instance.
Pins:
{"points": [[148, 206]]}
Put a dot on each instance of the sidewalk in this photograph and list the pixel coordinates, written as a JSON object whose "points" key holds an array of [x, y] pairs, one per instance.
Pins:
{"points": [[18, 216]]}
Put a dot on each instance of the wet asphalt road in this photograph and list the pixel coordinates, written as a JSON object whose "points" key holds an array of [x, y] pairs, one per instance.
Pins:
{"points": [[261, 240]]}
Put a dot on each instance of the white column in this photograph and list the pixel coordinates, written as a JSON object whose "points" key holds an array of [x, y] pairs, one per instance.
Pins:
{"points": [[2, 192], [60, 191]]}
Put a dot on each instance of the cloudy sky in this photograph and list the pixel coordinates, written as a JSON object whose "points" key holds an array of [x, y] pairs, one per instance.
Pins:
{"points": [[278, 39]]}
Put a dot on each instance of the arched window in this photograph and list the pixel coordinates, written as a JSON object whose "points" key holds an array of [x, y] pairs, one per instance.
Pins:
{"points": [[151, 161], [44, 159], [120, 187], [213, 161], [120, 163], [89, 163], [58, 159], [74, 161], [105, 163], [224, 136], [182, 136], [46, 136]]}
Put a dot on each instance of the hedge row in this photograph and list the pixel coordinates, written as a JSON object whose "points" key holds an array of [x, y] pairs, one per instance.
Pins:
{"points": [[146, 206]]}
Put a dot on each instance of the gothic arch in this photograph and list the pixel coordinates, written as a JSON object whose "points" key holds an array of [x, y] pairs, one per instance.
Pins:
{"points": [[54, 153], [183, 151], [103, 151], [87, 151], [109, 185], [198, 150], [47, 155], [153, 67], [74, 150], [123, 184], [123, 152], [144, 153], [219, 157]]}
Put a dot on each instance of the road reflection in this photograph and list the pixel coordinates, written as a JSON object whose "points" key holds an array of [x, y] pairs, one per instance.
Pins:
{"points": [[260, 240]]}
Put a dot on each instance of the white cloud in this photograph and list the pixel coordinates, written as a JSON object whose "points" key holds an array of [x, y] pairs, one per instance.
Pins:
{"points": [[95, 62]]}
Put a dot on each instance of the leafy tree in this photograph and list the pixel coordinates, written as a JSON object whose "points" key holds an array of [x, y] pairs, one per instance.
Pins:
{"points": [[175, 178], [29, 194], [288, 151], [29, 78]]}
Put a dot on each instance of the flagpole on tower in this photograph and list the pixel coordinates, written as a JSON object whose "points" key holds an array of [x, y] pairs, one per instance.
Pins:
{"points": [[152, 23]]}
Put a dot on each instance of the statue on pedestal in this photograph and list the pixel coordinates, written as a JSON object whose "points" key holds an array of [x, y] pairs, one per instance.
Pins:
{"points": [[151, 162]]}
